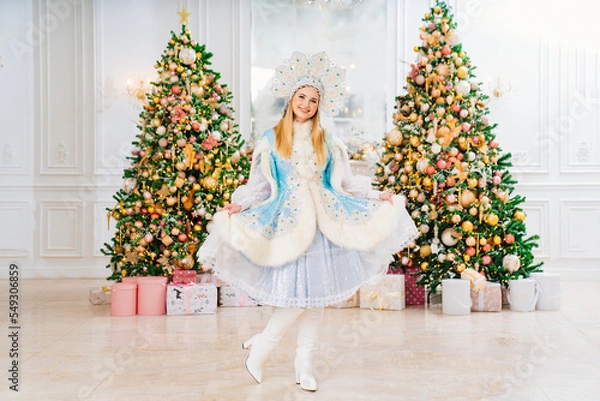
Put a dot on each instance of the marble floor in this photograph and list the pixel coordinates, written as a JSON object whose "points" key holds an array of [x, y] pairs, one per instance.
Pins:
{"points": [[72, 350]]}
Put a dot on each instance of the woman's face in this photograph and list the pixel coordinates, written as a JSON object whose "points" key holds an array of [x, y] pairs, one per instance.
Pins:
{"points": [[305, 103]]}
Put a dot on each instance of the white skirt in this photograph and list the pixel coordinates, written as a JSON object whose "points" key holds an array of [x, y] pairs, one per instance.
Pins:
{"points": [[325, 274]]}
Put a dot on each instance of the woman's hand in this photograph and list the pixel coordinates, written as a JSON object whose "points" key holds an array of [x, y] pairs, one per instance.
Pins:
{"points": [[232, 208], [386, 196]]}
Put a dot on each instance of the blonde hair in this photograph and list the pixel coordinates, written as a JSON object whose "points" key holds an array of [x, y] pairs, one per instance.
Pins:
{"points": [[285, 128]]}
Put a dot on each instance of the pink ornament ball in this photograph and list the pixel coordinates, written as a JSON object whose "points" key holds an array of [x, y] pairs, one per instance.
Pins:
{"points": [[470, 251], [486, 248], [129, 211], [164, 101], [509, 238], [442, 185], [161, 223], [465, 127], [455, 108], [176, 89], [182, 237], [496, 180], [486, 260], [494, 144], [441, 164], [446, 50], [451, 198], [142, 153], [172, 66], [148, 237], [464, 113], [430, 170], [147, 195]]}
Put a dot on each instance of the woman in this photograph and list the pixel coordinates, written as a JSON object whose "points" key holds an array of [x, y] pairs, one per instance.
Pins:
{"points": [[303, 233]]}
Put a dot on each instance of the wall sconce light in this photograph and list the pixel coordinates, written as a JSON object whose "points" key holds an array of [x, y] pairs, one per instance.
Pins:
{"points": [[138, 90]]}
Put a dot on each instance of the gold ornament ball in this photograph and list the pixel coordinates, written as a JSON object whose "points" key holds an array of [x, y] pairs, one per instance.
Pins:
{"points": [[473, 211], [427, 182], [404, 179], [460, 268], [379, 170], [437, 9], [209, 197], [462, 72], [395, 138], [472, 182], [520, 215], [467, 226], [427, 16], [156, 99], [467, 198], [497, 240], [226, 196], [425, 250], [196, 187], [463, 143], [424, 266], [414, 141], [471, 241], [482, 241], [492, 219], [197, 227], [466, 257], [416, 49]]}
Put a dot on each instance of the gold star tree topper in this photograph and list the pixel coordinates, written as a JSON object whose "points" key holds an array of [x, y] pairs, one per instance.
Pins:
{"points": [[184, 14]]}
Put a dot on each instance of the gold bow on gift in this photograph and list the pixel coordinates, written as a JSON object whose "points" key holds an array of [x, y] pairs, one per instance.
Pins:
{"points": [[381, 298], [105, 288]]}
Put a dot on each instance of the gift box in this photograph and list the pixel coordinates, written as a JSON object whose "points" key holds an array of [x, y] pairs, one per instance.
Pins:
{"points": [[487, 298], [352, 302], [191, 299], [100, 295], [181, 276], [231, 296], [415, 295], [386, 294]]}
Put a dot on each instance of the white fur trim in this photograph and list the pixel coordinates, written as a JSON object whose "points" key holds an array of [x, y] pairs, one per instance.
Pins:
{"points": [[339, 155], [263, 251]]}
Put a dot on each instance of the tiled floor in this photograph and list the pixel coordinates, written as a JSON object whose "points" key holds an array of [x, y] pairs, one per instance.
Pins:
{"points": [[72, 350]]}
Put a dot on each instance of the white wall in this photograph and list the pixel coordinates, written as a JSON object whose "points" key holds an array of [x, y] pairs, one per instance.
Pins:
{"points": [[67, 121]]}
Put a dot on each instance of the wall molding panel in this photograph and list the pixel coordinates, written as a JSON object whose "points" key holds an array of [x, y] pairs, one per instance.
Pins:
{"points": [[61, 229], [61, 89], [579, 222]]}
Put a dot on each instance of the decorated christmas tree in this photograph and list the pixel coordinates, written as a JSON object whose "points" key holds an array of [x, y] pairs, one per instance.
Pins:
{"points": [[443, 156], [186, 162]]}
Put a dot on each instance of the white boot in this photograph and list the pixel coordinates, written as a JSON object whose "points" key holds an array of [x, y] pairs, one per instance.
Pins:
{"points": [[308, 340], [262, 344]]}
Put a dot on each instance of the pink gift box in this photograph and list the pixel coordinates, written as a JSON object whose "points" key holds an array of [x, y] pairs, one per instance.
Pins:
{"points": [[181, 276], [487, 299]]}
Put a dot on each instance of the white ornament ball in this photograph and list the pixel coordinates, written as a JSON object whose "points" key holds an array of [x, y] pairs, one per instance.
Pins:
{"points": [[187, 56], [450, 236], [129, 184], [474, 86], [511, 263], [224, 126], [424, 228], [463, 88], [441, 258], [161, 130], [436, 148], [217, 135], [420, 79]]}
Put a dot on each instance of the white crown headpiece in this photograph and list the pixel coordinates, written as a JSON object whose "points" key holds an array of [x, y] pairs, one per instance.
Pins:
{"points": [[317, 71]]}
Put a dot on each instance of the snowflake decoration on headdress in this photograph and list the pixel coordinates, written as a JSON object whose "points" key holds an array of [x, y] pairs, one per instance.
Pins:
{"points": [[314, 70]]}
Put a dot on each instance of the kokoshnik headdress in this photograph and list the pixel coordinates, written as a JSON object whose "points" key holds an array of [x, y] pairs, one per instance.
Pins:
{"points": [[314, 70]]}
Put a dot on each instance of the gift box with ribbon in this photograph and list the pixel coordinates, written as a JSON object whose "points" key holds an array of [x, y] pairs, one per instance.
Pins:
{"points": [[231, 296], [210, 278], [191, 299], [352, 302], [100, 295], [486, 296], [181, 276], [386, 294]]}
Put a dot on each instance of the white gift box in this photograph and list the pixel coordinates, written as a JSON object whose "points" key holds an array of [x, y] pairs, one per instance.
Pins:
{"points": [[100, 295], [192, 299], [387, 294], [231, 296]]}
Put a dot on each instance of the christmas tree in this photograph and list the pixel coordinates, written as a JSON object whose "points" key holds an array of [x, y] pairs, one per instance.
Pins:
{"points": [[443, 156], [186, 162]]}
